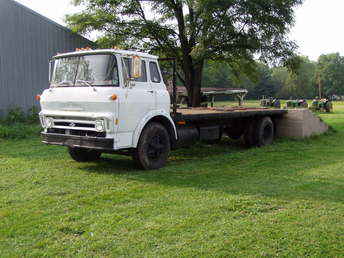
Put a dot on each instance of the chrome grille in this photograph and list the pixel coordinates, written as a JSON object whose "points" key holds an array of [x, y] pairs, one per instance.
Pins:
{"points": [[77, 132], [77, 126], [74, 124]]}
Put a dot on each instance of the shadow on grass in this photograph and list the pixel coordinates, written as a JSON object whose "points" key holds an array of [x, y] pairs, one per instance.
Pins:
{"points": [[116, 164], [291, 169]]}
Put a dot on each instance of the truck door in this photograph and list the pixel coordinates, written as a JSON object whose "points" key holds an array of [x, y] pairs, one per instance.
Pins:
{"points": [[139, 101], [162, 97]]}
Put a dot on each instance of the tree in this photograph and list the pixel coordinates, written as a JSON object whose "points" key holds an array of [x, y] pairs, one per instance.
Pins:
{"points": [[193, 31], [217, 75], [299, 83], [305, 78], [265, 86], [331, 74], [280, 76], [259, 83]]}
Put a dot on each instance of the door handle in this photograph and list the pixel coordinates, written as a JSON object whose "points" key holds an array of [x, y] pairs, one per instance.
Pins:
{"points": [[150, 91]]}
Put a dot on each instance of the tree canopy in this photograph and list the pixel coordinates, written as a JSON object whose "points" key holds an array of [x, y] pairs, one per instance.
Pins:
{"points": [[281, 82], [193, 31], [331, 73]]}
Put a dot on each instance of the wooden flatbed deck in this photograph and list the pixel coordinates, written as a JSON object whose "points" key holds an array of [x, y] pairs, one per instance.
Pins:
{"points": [[225, 113]]}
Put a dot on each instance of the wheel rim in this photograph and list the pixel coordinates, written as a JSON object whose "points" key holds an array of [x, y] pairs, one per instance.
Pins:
{"points": [[156, 147]]}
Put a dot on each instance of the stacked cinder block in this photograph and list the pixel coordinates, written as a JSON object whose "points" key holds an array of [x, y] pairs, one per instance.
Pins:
{"points": [[300, 123]]}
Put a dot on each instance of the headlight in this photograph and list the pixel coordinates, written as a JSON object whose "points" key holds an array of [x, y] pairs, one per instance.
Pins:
{"points": [[49, 122], [99, 126], [41, 119]]}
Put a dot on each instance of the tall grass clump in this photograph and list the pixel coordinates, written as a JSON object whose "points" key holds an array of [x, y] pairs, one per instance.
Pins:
{"points": [[17, 124]]}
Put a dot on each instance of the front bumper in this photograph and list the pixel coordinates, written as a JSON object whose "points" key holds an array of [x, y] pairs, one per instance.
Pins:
{"points": [[78, 141]]}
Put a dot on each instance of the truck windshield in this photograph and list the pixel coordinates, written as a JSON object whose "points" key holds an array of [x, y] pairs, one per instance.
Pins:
{"points": [[87, 70]]}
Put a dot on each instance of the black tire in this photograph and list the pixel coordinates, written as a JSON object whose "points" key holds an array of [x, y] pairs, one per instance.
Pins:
{"points": [[260, 133], [265, 132], [153, 148], [84, 155]]}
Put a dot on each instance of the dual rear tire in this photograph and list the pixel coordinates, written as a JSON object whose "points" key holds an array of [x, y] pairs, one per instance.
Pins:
{"points": [[260, 133]]}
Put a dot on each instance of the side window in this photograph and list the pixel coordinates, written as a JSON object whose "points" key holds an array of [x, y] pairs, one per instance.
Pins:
{"points": [[126, 67], [127, 70], [115, 74], [154, 72], [143, 78]]}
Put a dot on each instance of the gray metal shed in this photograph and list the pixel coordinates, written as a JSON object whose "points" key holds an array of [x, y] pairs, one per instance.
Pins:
{"points": [[27, 41]]}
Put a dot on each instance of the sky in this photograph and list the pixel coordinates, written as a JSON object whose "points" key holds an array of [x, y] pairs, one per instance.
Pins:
{"points": [[318, 29]]}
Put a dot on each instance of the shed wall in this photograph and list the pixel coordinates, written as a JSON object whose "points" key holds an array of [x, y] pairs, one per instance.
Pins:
{"points": [[27, 41]]}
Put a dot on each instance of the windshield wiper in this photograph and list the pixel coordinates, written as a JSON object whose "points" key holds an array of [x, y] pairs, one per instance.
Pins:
{"points": [[86, 83], [64, 83]]}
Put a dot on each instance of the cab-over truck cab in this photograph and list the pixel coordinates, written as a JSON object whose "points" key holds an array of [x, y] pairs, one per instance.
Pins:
{"points": [[108, 101]]}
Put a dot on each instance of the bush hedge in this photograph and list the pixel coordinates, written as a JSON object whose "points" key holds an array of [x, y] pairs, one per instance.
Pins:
{"points": [[17, 124]]}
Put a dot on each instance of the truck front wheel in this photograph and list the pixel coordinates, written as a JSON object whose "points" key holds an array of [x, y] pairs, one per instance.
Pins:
{"points": [[83, 155], [153, 148]]}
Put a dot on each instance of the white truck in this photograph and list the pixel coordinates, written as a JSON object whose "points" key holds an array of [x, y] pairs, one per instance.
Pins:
{"points": [[116, 101]]}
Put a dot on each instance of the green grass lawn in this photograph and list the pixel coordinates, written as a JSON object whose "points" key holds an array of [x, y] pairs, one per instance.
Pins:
{"points": [[223, 200]]}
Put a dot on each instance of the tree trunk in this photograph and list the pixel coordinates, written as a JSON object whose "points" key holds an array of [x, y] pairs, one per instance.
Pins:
{"points": [[193, 81]]}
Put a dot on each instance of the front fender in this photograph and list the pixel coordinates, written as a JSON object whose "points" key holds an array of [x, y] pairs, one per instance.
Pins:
{"points": [[149, 117]]}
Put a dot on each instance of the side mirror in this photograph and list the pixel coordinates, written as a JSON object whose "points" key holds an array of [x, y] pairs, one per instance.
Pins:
{"points": [[136, 67]]}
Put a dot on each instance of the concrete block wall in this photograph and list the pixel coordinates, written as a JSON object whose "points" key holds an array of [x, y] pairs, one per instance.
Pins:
{"points": [[300, 123]]}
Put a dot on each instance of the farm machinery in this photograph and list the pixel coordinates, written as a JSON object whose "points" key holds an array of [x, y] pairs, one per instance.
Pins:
{"points": [[322, 105], [298, 103], [270, 102]]}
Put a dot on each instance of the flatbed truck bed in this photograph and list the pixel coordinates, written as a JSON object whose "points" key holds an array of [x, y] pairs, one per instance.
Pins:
{"points": [[223, 114], [255, 125]]}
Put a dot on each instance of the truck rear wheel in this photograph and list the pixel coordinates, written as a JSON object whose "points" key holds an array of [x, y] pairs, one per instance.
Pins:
{"points": [[83, 155], [260, 133], [265, 132], [153, 148]]}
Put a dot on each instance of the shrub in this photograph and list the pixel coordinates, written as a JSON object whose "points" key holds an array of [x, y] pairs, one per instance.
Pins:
{"points": [[32, 115], [19, 131], [18, 125], [17, 115]]}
